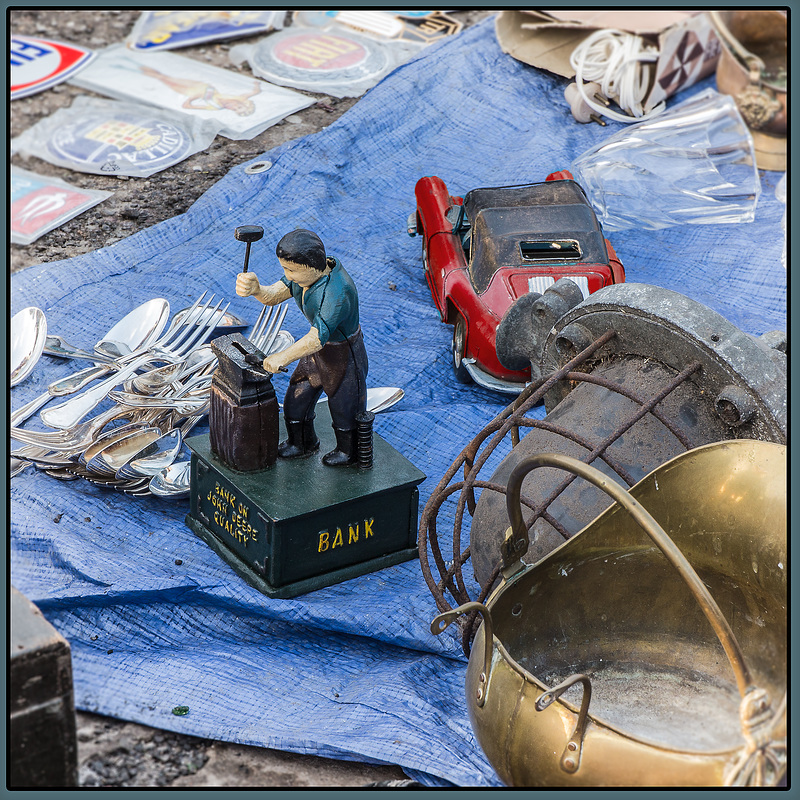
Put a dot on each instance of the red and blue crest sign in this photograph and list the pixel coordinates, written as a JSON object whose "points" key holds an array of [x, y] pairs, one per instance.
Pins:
{"points": [[38, 64]]}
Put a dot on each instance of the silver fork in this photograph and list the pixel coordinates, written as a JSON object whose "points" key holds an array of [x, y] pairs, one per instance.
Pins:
{"points": [[196, 385], [263, 335], [260, 324], [62, 444], [171, 347], [158, 382], [193, 328]]}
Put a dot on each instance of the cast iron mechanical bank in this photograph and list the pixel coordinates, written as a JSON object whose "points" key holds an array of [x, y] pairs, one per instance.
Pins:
{"points": [[330, 500]]}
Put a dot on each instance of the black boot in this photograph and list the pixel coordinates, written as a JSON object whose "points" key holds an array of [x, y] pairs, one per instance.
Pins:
{"points": [[302, 439], [345, 452]]}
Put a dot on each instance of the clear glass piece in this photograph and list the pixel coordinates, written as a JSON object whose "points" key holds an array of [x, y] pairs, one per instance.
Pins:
{"points": [[693, 164]]}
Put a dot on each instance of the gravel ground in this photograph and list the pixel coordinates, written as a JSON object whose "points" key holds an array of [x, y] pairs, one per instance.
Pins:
{"points": [[112, 753], [115, 754], [141, 202]]}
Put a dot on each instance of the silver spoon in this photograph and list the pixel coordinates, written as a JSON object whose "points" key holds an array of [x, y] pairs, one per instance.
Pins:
{"points": [[172, 481], [380, 398], [62, 475], [281, 341], [28, 334], [154, 457], [121, 450], [109, 437], [161, 377], [161, 453], [133, 331]]}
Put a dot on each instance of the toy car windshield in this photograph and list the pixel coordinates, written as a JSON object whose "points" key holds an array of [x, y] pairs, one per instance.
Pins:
{"points": [[526, 226]]}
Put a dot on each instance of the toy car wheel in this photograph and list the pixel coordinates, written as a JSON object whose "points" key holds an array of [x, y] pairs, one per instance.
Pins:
{"points": [[459, 350]]}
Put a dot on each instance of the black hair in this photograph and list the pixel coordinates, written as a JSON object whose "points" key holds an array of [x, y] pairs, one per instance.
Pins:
{"points": [[304, 247]]}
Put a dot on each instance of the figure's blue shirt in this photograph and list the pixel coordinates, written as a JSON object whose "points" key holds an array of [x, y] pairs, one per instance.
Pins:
{"points": [[330, 304]]}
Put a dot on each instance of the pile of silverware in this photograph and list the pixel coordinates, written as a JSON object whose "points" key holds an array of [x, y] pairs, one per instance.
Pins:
{"points": [[158, 379]]}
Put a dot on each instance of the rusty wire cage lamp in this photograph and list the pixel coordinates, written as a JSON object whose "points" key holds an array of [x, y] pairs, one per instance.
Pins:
{"points": [[631, 377]]}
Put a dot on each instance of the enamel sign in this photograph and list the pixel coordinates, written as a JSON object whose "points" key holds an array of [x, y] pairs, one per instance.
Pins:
{"points": [[39, 204], [38, 64]]}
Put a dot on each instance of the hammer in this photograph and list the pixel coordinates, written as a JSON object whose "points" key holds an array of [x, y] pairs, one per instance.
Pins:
{"points": [[249, 234]]}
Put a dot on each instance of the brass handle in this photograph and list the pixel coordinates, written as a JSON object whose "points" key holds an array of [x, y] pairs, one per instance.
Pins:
{"points": [[571, 757], [753, 63], [519, 537], [442, 622]]}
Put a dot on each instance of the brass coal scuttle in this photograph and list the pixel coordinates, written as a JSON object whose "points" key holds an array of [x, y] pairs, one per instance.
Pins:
{"points": [[650, 648], [625, 636]]}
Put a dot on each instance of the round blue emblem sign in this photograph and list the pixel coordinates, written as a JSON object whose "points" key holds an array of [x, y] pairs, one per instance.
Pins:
{"points": [[120, 142]]}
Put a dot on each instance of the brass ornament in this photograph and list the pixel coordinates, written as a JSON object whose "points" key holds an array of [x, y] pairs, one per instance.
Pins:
{"points": [[757, 106]]}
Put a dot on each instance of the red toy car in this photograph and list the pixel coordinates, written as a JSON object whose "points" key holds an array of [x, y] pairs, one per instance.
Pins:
{"points": [[488, 256]]}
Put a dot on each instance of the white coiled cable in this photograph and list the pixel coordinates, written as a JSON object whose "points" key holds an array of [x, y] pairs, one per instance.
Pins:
{"points": [[616, 61]]}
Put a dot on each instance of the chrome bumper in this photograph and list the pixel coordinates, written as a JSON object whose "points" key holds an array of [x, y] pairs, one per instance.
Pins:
{"points": [[488, 381]]}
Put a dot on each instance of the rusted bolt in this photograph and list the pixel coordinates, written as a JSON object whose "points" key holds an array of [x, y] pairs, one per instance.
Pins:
{"points": [[569, 763], [734, 406], [572, 746], [572, 339]]}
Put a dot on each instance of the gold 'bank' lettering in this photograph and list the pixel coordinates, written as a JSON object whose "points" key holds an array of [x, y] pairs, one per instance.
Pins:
{"points": [[224, 494], [353, 533], [337, 540]]}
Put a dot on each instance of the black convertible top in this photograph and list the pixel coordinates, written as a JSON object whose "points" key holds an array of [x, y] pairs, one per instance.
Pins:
{"points": [[502, 218], [530, 194]]}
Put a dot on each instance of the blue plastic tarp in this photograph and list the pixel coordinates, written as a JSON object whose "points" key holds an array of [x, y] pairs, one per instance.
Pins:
{"points": [[351, 671]]}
